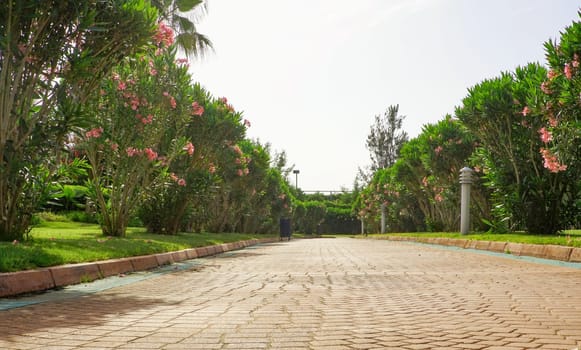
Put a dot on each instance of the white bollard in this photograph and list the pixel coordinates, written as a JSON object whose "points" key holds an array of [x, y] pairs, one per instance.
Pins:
{"points": [[466, 182]]}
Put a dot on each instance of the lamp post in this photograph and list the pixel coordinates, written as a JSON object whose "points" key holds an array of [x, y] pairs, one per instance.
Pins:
{"points": [[296, 172], [466, 182]]}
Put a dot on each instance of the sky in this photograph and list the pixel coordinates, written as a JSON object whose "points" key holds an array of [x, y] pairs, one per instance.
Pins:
{"points": [[310, 75]]}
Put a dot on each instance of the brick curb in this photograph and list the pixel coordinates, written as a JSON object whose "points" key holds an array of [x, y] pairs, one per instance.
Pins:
{"points": [[14, 283], [552, 252]]}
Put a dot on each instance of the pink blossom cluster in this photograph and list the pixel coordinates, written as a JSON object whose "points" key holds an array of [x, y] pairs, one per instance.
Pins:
{"points": [[438, 197], [212, 168], [551, 162], [152, 70], [247, 123], [96, 133], [172, 100], [197, 109], [237, 149], [224, 100], [189, 148], [179, 181], [526, 111], [545, 87], [164, 35], [546, 135], [144, 120], [438, 150], [149, 153], [569, 68], [182, 61]]}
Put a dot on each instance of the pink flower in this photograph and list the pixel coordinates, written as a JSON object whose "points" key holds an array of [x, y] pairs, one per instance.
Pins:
{"points": [[239, 172], [224, 100], [189, 148], [164, 35], [165, 93], [197, 109], [182, 61], [153, 72], [238, 161], [526, 111], [172, 102], [121, 86], [94, 133], [173, 177], [438, 197], [246, 123], [212, 168], [438, 150], [246, 171], [545, 88], [546, 135], [114, 147], [553, 121], [551, 74], [568, 71], [425, 181], [237, 149], [181, 182], [551, 162], [147, 120], [151, 154], [131, 151], [134, 104]]}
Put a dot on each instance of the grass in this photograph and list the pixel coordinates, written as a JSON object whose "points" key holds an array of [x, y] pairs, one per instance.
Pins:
{"points": [[567, 238], [57, 242]]}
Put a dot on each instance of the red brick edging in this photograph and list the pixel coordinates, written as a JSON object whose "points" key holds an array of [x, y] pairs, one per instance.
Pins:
{"points": [[554, 252], [14, 283]]}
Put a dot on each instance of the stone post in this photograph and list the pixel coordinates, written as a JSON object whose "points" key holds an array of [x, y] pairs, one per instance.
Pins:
{"points": [[466, 183], [383, 215]]}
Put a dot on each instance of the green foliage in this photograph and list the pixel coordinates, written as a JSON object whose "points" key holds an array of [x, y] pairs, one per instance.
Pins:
{"points": [[500, 112], [314, 216], [52, 55], [339, 219]]}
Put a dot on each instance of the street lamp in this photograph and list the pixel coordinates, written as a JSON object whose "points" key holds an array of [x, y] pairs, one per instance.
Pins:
{"points": [[296, 172]]}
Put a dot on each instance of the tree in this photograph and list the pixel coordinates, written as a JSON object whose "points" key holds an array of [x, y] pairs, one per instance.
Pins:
{"points": [[181, 15], [137, 119], [52, 56], [529, 189], [386, 138]]}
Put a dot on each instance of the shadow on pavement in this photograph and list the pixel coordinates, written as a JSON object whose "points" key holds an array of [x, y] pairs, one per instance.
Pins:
{"points": [[70, 316]]}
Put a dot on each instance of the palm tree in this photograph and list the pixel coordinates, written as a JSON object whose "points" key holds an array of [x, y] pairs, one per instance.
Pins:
{"points": [[182, 16]]}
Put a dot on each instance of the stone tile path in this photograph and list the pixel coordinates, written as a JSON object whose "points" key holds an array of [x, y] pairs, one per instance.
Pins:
{"points": [[320, 294]]}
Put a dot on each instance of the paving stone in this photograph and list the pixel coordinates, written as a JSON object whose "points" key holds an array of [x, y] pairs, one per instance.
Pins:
{"points": [[319, 294]]}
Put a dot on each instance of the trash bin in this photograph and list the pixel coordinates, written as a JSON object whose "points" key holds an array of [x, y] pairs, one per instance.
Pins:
{"points": [[285, 228]]}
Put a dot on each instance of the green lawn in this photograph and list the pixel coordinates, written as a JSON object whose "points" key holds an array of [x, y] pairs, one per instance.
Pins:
{"points": [[56, 243], [568, 238]]}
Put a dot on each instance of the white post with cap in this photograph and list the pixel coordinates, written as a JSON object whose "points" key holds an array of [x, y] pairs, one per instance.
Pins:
{"points": [[466, 182]]}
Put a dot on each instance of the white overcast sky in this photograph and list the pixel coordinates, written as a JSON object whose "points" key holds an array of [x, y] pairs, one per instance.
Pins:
{"points": [[311, 74]]}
